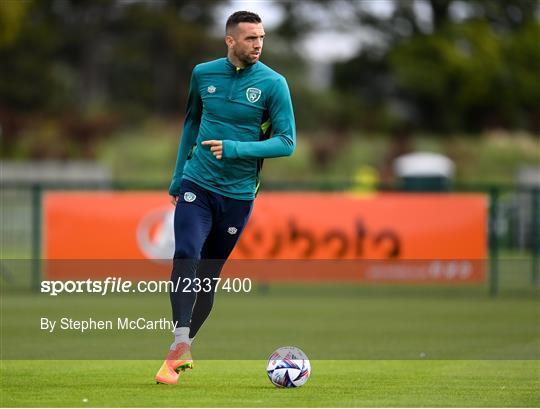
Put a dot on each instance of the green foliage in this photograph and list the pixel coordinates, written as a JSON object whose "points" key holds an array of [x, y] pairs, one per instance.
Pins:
{"points": [[522, 54], [147, 152], [466, 77], [459, 75], [12, 14], [109, 65], [497, 157], [71, 55]]}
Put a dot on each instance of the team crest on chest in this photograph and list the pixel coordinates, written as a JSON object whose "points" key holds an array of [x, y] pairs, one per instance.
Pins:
{"points": [[253, 94], [211, 89]]}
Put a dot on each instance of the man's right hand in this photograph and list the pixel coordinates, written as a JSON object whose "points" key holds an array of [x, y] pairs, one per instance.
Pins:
{"points": [[174, 199]]}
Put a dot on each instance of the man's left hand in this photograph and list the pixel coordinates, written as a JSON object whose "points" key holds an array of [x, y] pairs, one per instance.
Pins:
{"points": [[216, 147]]}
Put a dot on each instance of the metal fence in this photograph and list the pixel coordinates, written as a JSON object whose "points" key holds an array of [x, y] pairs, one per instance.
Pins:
{"points": [[513, 228]]}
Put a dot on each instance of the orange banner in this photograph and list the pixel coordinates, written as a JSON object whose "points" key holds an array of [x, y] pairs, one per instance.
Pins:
{"points": [[286, 226]]}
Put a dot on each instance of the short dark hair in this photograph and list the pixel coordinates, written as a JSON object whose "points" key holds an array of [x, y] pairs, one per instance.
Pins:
{"points": [[241, 17]]}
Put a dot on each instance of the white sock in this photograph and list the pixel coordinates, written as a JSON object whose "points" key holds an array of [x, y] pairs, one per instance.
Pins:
{"points": [[181, 334]]}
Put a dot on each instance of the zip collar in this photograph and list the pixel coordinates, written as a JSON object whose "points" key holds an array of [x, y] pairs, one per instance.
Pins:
{"points": [[236, 69]]}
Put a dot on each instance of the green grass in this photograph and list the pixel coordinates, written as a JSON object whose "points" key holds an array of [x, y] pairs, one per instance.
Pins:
{"points": [[244, 384], [327, 321], [364, 341]]}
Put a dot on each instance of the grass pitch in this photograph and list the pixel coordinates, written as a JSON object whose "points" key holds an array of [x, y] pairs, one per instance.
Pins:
{"points": [[364, 344], [244, 383]]}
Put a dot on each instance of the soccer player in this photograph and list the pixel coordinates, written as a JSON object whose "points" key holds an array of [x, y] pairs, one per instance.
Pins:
{"points": [[239, 112]]}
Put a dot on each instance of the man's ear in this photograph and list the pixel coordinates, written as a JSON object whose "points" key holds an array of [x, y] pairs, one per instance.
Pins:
{"points": [[229, 40]]}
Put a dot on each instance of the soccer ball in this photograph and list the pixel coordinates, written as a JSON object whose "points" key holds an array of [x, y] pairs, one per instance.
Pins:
{"points": [[288, 367]]}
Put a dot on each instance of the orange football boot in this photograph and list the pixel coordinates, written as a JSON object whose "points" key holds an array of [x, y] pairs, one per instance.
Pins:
{"points": [[178, 359]]}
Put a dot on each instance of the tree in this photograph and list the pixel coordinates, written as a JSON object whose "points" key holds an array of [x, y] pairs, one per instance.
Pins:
{"points": [[449, 65], [74, 54]]}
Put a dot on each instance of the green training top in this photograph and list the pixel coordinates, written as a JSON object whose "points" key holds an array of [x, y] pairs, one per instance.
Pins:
{"points": [[250, 109]]}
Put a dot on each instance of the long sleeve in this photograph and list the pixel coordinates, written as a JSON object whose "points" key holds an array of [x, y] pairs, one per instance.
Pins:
{"points": [[189, 133], [283, 141]]}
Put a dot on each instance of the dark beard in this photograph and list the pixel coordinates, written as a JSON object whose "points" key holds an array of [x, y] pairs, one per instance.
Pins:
{"points": [[245, 60]]}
